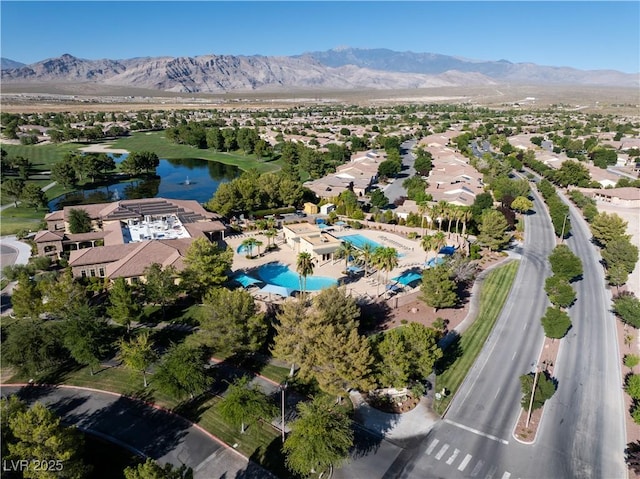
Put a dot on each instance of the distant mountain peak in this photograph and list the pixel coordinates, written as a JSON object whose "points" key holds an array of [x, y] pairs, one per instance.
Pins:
{"points": [[343, 67]]}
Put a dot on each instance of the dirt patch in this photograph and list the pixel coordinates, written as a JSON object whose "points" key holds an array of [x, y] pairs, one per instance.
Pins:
{"points": [[392, 405]]}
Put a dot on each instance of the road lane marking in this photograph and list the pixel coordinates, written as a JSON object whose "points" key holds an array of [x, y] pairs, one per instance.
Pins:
{"points": [[453, 456], [475, 431], [514, 355], [506, 475], [476, 469], [491, 472], [497, 392], [432, 446], [464, 462], [441, 452]]}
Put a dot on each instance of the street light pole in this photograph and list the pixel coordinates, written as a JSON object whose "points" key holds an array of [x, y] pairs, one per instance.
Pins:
{"points": [[283, 388], [563, 225], [533, 391]]}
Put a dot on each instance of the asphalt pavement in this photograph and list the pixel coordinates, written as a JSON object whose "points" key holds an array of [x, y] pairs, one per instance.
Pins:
{"points": [[143, 429]]}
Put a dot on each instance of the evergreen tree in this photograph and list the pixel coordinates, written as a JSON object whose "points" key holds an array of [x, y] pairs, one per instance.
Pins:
{"points": [[39, 434], [84, 337], [207, 266], [123, 309], [493, 230], [320, 438], [79, 221], [438, 289], [150, 469], [231, 321]]}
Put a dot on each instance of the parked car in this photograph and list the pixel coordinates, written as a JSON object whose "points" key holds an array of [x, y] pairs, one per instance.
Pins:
{"points": [[300, 214]]}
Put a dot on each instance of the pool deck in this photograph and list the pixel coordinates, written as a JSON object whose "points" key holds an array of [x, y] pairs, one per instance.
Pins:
{"points": [[413, 258]]}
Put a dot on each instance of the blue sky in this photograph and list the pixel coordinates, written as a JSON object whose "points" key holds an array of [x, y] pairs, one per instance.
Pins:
{"points": [[585, 35]]}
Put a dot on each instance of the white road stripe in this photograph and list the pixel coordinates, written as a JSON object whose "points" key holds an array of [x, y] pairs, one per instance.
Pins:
{"points": [[514, 355], [464, 462], [432, 446], [506, 475], [491, 472], [476, 469], [453, 456], [475, 431], [497, 392], [441, 452]]}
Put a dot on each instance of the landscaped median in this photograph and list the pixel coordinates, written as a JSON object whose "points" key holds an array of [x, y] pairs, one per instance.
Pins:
{"points": [[494, 293]]}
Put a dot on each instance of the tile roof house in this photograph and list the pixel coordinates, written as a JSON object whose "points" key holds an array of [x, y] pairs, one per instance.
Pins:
{"points": [[128, 236], [357, 175]]}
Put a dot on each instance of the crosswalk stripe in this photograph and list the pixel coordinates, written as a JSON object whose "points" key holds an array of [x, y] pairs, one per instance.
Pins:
{"points": [[453, 456], [441, 452], [464, 462], [491, 472], [476, 469], [506, 475], [432, 446]]}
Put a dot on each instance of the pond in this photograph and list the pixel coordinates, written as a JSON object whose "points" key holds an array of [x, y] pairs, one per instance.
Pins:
{"points": [[182, 179]]}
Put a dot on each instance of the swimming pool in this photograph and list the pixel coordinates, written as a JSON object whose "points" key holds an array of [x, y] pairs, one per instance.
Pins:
{"points": [[281, 275], [359, 241]]}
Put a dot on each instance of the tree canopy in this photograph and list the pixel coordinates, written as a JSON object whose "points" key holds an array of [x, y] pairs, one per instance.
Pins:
{"points": [[493, 230], [438, 289], [207, 266], [244, 404], [231, 321], [564, 263], [320, 437]]}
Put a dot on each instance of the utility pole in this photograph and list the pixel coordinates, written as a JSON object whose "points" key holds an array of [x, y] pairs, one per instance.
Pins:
{"points": [[283, 389], [563, 225], [533, 391]]}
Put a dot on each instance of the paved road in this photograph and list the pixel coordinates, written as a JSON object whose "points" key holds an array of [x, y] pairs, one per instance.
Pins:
{"points": [[395, 190], [475, 438], [162, 436], [589, 404], [582, 431]]}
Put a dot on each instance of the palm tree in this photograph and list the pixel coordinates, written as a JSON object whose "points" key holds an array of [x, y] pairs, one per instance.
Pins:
{"points": [[346, 251], [304, 266], [439, 241], [386, 258], [258, 243], [423, 207], [366, 255], [427, 244], [270, 233], [465, 218], [249, 244]]}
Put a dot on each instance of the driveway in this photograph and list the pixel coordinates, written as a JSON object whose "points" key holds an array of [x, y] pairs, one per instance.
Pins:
{"points": [[144, 429]]}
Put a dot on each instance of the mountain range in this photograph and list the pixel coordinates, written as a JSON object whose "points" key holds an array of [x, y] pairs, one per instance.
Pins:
{"points": [[339, 69]]}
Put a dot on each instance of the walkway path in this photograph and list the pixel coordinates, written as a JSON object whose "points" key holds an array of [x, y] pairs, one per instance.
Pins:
{"points": [[144, 429], [13, 204]]}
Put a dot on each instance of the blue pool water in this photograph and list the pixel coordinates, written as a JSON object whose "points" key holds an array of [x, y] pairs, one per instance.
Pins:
{"points": [[281, 275], [359, 241]]}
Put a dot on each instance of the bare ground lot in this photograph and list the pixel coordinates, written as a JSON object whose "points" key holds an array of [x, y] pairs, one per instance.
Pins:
{"points": [[33, 97]]}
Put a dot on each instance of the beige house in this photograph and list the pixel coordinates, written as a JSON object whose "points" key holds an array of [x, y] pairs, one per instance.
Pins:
{"points": [[305, 237], [628, 197], [128, 236]]}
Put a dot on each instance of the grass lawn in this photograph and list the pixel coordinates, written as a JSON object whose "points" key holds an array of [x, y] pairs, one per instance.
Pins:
{"points": [[13, 220], [42, 156], [155, 141], [493, 295]]}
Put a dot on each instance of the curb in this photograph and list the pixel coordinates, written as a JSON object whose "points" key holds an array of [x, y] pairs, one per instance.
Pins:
{"points": [[155, 406]]}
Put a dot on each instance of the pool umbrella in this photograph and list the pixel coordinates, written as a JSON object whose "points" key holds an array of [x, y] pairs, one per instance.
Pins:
{"points": [[245, 280], [279, 290]]}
